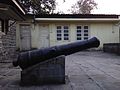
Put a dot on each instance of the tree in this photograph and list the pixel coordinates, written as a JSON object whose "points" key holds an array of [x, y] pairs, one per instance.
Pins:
{"points": [[39, 6], [83, 7]]}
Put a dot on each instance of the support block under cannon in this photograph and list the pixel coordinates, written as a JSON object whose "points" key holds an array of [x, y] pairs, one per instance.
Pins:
{"points": [[51, 71]]}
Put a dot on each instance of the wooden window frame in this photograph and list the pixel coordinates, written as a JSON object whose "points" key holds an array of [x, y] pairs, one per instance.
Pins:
{"points": [[84, 32], [64, 34]]}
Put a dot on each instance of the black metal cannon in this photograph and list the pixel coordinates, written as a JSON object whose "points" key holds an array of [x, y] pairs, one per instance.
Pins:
{"points": [[30, 58]]}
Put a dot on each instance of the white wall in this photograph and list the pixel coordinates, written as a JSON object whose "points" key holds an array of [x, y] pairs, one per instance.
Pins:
{"points": [[106, 32]]}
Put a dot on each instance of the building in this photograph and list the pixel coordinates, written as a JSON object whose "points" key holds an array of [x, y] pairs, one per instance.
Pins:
{"points": [[50, 30], [10, 12], [34, 32]]}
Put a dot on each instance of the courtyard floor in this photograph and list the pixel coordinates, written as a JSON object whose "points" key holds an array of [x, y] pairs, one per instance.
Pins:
{"points": [[87, 70]]}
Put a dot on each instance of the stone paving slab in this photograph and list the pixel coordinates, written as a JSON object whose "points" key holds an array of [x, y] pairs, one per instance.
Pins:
{"points": [[87, 70]]}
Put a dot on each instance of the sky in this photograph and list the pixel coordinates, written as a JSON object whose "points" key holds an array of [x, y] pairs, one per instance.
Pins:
{"points": [[104, 6]]}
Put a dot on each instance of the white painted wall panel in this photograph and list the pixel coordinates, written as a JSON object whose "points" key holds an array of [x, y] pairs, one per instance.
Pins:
{"points": [[106, 32]]}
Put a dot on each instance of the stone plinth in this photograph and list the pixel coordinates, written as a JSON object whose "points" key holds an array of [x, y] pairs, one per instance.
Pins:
{"points": [[51, 71]]}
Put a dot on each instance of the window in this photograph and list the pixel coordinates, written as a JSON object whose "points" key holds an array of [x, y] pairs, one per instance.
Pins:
{"points": [[85, 27], [66, 33], [79, 34], [59, 33], [82, 32], [62, 33], [58, 27]]}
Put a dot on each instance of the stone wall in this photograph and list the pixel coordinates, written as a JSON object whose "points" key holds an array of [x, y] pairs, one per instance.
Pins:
{"points": [[8, 45]]}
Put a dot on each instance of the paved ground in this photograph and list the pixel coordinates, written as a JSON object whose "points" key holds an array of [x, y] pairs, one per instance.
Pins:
{"points": [[88, 70]]}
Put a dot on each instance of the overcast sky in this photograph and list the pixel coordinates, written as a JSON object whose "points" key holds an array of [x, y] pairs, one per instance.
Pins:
{"points": [[104, 6]]}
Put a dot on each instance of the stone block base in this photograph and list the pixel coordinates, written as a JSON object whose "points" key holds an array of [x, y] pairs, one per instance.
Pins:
{"points": [[51, 71]]}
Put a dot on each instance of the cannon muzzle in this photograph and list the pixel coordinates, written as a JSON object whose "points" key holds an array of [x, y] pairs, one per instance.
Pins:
{"points": [[30, 58]]}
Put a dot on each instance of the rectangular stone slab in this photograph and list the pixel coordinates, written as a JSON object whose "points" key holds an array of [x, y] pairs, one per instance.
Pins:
{"points": [[51, 71]]}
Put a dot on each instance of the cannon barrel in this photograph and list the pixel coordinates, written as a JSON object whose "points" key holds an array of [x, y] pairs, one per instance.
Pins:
{"points": [[29, 58]]}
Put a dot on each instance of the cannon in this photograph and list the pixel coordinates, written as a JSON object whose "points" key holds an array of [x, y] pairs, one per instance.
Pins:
{"points": [[30, 58], [47, 65]]}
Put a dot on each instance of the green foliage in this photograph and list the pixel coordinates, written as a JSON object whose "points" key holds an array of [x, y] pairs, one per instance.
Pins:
{"points": [[83, 7], [39, 6]]}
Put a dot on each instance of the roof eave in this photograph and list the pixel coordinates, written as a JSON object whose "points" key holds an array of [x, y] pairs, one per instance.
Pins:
{"points": [[11, 10], [76, 19], [19, 6]]}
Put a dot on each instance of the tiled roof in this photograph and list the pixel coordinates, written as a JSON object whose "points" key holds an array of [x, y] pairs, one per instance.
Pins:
{"points": [[77, 16]]}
